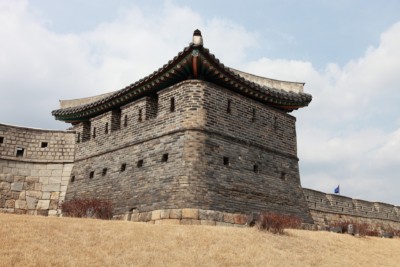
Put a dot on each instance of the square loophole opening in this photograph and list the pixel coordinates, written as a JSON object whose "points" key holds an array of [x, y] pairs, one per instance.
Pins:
{"points": [[255, 168], [226, 161], [20, 152], [139, 164], [123, 167]]}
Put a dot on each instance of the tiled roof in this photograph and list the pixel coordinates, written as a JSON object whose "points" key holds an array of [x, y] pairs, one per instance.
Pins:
{"points": [[180, 68]]}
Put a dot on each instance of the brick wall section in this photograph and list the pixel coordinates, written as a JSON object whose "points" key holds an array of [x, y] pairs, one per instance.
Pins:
{"points": [[265, 126], [329, 208], [260, 144], [159, 183], [196, 136], [153, 185], [60, 144], [149, 127], [36, 181]]}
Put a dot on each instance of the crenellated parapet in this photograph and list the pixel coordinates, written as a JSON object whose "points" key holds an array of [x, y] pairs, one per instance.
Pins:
{"points": [[328, 208], [36, 145]]}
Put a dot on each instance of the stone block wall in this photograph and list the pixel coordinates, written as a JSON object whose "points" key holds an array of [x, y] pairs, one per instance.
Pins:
{"points": [[326, 209], [35, 181], [145, 176], [248, 120], [140, 166], [141, 121], [181, 136], [249, 157], [187, 216], [28, 144]]}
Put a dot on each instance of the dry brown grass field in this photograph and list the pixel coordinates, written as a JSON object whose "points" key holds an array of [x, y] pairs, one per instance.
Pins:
{"points": [[50, 241]]}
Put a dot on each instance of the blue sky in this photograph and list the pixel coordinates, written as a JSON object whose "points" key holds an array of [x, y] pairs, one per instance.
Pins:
{"points": [[345, 51]]}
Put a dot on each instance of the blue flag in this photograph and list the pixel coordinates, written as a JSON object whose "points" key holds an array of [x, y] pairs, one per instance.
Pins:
{"points": [[337, 190]]}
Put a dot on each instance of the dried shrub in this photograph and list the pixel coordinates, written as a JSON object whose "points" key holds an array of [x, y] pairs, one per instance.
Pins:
{"points": [[87, 208], [372, 232], [277, 223], [361, 229], [396, 232]]}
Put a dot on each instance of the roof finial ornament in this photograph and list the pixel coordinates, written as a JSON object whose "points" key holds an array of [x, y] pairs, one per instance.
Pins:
{"points": [[197, 38]]}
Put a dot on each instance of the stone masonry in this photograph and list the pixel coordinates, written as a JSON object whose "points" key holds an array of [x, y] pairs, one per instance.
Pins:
{"points": [[35, 168], [195, 142], [175, 160], [327, 209]]}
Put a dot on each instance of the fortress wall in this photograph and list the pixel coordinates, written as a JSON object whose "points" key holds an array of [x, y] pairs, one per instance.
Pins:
{"points": [[154, 183], [250, 120], [193, 126], [254, 180], [35, 179], [327, 209], [149, 126], [249, 160], [159, 182], [35, 144]]}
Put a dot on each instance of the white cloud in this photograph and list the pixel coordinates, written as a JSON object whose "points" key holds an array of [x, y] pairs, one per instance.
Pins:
{"points": [[389, 153], [39, 66], [350, 133]]}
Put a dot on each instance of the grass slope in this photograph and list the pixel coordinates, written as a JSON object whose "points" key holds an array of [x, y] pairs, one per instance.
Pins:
{"points": [[49, 241]]}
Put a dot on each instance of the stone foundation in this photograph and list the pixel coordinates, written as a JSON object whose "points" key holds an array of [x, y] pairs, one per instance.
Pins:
{"points": [[186, 216]]}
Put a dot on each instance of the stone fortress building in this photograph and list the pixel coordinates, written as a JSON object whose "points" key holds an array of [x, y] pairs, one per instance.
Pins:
{"points": [[195, 142]]}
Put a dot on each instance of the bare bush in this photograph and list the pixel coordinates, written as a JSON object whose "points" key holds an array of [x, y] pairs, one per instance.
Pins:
{"points": [[396, 232], [277, 223], [87, 208], [358, 228], [372, 232], [361, 229]]}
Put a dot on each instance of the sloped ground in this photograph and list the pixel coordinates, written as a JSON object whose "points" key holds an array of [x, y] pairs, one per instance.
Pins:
{"points": [[48, 241]]}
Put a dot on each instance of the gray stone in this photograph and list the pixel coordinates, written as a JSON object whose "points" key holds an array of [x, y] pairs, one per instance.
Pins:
{"points": [[55, 180], [387, 235], [210, 215], [17, 186], [50, 187], [6, 178], [336, 229], [31, 202], [43, 205], [20, 204], [175, 214], [46, 195], [164, 214], [5, 186], [34, 194]]}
